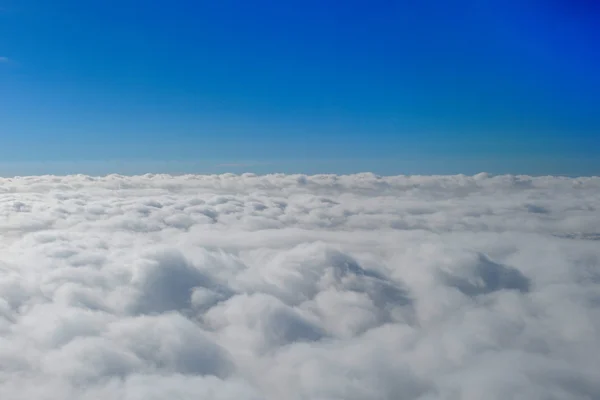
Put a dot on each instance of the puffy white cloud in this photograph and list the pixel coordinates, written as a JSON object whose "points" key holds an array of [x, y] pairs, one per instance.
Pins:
{"points": [[299, 287]]}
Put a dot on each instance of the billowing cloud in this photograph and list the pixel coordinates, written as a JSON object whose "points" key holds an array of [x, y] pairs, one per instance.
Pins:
{"points": [[299, 287]]}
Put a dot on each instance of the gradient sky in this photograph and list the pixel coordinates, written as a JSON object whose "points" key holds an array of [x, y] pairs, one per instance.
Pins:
{"points": [[415, 86]]}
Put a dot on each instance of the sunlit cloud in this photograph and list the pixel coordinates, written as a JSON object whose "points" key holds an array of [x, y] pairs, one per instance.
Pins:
{"points": [[299, 287]]}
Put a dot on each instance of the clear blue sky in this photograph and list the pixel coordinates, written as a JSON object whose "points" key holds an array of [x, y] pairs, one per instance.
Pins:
{"points": [[415, 86]]}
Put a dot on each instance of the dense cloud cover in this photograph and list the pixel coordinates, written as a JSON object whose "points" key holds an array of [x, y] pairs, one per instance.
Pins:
{"points": [[299, 287]]}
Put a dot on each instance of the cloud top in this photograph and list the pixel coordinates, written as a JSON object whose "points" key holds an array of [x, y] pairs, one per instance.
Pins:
{"points": [[299, 287]]}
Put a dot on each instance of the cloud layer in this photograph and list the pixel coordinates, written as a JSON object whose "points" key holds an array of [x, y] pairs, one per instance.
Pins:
{"points": [[299, 287]]}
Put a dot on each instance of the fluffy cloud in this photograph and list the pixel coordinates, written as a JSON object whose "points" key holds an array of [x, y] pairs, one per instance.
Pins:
{"points": [[299, 287]]}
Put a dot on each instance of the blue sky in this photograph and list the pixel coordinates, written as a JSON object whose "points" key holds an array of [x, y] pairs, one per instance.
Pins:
{"points": [[428, 87]]}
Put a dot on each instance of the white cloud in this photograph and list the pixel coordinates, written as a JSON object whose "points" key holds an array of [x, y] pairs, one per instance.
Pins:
{"points": [[299, 287]]}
